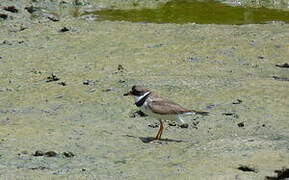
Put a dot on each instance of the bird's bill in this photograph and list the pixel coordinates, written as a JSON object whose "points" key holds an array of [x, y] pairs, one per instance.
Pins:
{"points": [[128, 94]]}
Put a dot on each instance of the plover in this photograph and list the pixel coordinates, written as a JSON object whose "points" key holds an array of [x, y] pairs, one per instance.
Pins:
{"points": [[158, 107]]}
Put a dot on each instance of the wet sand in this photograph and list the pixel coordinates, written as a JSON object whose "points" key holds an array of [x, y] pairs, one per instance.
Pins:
{"points": [[226, 70]]}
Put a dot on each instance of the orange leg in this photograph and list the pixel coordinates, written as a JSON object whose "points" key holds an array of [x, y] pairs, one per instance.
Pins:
{"points": [[160, 132]]}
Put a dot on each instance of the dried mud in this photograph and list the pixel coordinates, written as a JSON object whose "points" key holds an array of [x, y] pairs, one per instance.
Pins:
{"points": [[61, 92]]}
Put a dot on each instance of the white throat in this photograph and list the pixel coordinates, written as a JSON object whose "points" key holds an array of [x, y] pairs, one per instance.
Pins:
{"points": [[138, 98]]}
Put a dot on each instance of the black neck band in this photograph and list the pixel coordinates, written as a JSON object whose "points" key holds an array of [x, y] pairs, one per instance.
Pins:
{"points": [[142, 100]]}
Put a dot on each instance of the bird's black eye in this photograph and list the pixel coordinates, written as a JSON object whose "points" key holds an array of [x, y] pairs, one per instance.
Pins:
{"points": [[134, 91]]}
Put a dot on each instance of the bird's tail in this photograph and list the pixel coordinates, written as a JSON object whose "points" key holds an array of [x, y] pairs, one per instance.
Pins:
{"points": [[203, 113]]}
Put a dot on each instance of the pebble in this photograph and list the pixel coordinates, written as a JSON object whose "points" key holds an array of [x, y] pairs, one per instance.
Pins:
{"points": [[52, 77], [38, 153], [238, 101], [64, 29], [241, 124], [185, 125], [3, 16], [68, 154], [50, 154], [11, 9], [285, 65]]}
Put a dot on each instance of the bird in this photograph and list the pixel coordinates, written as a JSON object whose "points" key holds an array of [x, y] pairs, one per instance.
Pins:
{"points": [[158, 107]]}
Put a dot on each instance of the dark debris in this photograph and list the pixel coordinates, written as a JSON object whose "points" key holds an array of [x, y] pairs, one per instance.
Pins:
{"points": [[30, 9], [231, 114], [280, 78], [241, 124], [47, 154], [68, 154], [285, 65], [38, 153], [120, 68], [11, 9], [282, 174], [52, 77], [261, 57], [64, 29], [247, 169], [238, 101], [89, 82], [185, 125], [138, 113], [39, 168], [154, 125], [107, 90], [121, 81], [50, 154], [3, 16], [62, 83]]}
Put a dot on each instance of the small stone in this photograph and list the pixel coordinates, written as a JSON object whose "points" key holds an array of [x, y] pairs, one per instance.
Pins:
{"points": [[263, 125], [68, 154], [172, 124], [52, 77], [261, 57], [50, 154], [231, 114], [238, 101], [11, 9], [185, 125], [62, 83], [285, 65], [155, 125], [3, 16], [88, 82], [38, 153], [247, 168], [64, 29], [38, 168], [138, 113], [7, 42], [241, 124], [30, 9], [52, 18], [120, 68], [107, 90]]}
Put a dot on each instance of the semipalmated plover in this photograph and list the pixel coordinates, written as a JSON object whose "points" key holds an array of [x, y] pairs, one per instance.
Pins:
{"points": [[158, 107]]}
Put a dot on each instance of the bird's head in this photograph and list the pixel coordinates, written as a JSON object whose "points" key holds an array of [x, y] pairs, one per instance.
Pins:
{"points": [[138, 92]]}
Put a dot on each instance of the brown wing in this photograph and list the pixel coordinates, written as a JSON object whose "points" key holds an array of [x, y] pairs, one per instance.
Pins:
{"points": [[166, 107]]}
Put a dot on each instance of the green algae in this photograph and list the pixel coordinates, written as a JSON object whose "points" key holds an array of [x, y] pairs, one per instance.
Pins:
{"points": [[200, 12]]}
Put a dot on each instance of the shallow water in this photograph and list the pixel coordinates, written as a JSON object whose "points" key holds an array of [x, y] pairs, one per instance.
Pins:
{"points": [[228, 70], [188, 11]]}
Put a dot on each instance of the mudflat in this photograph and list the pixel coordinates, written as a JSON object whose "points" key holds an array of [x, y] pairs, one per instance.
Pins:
{"points": [[63, 116]]}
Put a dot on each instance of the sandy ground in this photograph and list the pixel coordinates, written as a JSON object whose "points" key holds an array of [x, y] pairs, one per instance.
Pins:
{"points": [[227, 70]]}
